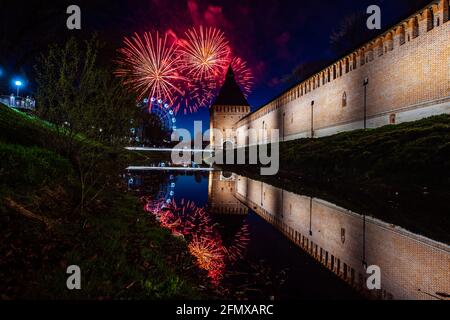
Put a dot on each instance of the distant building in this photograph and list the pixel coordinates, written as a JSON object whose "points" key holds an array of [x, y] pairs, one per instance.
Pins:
{"points": [[21, 103]]}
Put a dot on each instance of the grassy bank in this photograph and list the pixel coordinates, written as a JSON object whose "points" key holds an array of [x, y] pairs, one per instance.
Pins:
{"points": [[397, 173], [122, 252]]}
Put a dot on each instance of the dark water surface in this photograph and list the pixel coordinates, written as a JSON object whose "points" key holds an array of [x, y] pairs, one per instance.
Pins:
{"points": [[258, 241]]}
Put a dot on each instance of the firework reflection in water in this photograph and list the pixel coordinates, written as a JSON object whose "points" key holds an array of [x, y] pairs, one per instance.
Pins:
{"points": [[204, 241]]}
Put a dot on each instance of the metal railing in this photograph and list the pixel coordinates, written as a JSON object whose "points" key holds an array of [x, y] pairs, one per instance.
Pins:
{"points": [[24, 103]]}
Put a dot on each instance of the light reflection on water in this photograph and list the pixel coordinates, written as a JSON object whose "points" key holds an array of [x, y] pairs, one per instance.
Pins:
{"points": [[244, 251], [205, 242]]}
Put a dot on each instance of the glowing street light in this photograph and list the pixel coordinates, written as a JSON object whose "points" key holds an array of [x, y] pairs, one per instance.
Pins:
{"points": [[18, 84]]}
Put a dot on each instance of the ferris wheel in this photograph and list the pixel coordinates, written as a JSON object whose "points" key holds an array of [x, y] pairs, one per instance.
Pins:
{"points": [[167, 192], [162, 110]]}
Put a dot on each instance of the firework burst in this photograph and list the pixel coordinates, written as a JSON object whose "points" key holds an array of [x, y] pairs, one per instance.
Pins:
{"points": [[194, 220], [186, 218], [196, 94], [204, 241], [205, 53], [209, 254], [243, 75], [186, 73], [239, 245], [150, 67]]}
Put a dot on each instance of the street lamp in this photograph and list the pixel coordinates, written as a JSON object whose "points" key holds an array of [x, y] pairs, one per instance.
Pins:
{"points": [[364, 261], [18, 84], [310, 216], [312, 119], [366, 83]]}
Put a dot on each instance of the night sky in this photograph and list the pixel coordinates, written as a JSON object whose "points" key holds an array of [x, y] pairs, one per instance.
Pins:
{"points": [[283, 41]]}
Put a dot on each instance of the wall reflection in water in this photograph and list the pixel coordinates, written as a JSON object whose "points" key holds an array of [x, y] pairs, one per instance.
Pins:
{"points": [[413, 267]]}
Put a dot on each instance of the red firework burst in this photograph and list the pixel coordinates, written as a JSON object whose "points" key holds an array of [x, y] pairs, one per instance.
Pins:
{"points": [[239, 245], [186, 218], [243, 75], [204, 241], [196, 94], [194, 220], [205, 53], [150, 67]]}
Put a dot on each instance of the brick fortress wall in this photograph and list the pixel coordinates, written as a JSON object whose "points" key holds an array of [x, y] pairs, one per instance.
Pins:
{"points": [[409, 79]]}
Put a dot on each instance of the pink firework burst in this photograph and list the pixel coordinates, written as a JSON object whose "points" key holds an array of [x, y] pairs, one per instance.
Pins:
{"points": [[205, 53], [239, 245], [194, 220], [184, 218], [243, 75], [150, 67], [196, 94]]}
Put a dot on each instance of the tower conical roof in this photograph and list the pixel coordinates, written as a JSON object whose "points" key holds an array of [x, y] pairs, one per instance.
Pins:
{"points": [[230, 94]]}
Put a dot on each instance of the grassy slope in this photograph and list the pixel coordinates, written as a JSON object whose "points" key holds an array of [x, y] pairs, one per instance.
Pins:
{"points": [[121, 252], [416, 152], [397, 173]]}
